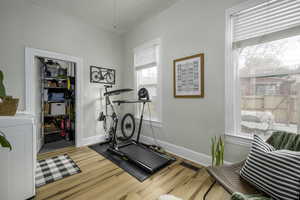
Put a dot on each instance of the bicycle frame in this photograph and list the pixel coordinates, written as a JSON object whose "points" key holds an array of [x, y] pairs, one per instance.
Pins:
{"points": [[113, 127], [113, 116]]}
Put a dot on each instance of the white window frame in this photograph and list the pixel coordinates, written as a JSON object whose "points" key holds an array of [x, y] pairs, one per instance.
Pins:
{"points": [[155, 122], [232, 87]]}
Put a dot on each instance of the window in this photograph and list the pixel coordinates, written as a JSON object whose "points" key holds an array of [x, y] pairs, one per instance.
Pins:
{"points": [[263, 68], [146, 69]]}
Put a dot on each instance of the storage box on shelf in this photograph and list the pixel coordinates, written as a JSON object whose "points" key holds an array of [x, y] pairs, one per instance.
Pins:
{"points": [[58, 109]]}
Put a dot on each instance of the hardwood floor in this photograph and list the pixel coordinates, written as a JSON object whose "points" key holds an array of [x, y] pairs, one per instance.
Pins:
{"points": [[100, 179]]}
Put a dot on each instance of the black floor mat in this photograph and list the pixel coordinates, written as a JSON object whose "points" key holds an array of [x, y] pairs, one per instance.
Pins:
{"points": [[52, 146], [126, 165]]}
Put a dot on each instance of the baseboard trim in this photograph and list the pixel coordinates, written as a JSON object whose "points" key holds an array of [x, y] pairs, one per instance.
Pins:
{"points": [[92, 140], [199, 158]]}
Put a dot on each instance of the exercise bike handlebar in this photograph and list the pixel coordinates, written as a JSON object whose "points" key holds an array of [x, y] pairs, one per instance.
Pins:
{"points": [[116, 92], [119, 102]]}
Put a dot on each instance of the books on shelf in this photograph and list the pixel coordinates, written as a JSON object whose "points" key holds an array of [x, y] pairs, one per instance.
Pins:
{"points": [[45, 97]]}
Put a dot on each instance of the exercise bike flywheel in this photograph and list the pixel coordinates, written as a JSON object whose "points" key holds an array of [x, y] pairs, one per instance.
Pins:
{"points": [[127, 126]]}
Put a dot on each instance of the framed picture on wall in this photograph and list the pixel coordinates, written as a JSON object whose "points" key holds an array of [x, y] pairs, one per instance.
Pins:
{"points": [[102, 75], [189, 77]]}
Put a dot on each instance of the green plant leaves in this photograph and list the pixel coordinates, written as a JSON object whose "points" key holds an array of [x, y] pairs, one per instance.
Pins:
{"points": [[2, 88], [217, 151], [213, 147], [4, 142]]}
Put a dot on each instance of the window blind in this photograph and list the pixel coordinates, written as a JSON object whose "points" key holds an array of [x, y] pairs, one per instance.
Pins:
{"points": [[269, 17], [145, 57]]}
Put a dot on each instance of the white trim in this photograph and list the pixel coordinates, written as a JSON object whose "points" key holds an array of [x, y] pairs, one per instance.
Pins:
{"points": [[147, 122], [30, 54], [156, 124], [146, 66], [159, 81], [159, 76], [232, 112], [34, 151], [245, 5], [93, 140], [238, 140], [148, 44], [199, 158]]}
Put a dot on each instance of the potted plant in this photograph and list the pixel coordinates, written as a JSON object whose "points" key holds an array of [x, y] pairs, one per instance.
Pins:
{"points": [[8, 105], [3, 141], [217, 151]]}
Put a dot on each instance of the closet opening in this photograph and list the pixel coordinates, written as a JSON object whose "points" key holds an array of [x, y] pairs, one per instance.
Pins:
{"points": [[56, 104]]}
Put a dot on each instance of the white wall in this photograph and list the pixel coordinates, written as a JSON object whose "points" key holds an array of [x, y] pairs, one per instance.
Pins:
{"points": [[187, 28], [25, 25]]}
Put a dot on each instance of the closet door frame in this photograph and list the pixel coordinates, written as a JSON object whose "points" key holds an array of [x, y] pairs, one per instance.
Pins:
{"points": [[30, 85]]}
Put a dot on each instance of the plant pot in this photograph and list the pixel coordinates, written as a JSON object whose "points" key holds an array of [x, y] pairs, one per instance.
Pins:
{"points": [[8, 106]]}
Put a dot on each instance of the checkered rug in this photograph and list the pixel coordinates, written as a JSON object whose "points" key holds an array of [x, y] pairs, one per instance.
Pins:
{"points": [[53, 169]]}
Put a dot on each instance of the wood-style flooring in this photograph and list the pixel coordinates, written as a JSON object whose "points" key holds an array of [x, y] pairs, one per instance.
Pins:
{"points": [[100, 179]]}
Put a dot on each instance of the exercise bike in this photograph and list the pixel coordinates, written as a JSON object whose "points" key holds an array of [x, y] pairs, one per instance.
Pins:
{"points": [[110, 119], [132, 149]]}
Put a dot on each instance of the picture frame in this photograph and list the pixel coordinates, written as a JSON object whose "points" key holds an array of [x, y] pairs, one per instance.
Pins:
{"points": [[188, 74], [102, 75]]}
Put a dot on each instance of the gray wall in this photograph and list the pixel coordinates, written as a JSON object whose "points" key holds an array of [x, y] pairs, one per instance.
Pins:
{"points": [[187, 28], [25, 25]]}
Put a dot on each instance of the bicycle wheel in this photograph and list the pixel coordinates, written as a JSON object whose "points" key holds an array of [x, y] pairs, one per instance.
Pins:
{"points": [[96, 76], [109, 77], [128, 126]]}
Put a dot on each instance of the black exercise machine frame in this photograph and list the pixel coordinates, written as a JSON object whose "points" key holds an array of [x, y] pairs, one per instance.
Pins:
{"points": [[119, 102], [115, 147]]}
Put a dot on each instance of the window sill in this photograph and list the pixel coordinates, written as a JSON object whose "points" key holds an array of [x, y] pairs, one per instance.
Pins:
{"points": [[154, 123], [238, 140]]}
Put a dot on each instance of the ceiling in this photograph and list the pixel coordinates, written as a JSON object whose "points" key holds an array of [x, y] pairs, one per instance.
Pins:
{"points": [[101, 12]]}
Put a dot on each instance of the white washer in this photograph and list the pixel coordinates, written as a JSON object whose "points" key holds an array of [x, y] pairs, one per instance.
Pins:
{"points": [[17, 167]]}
